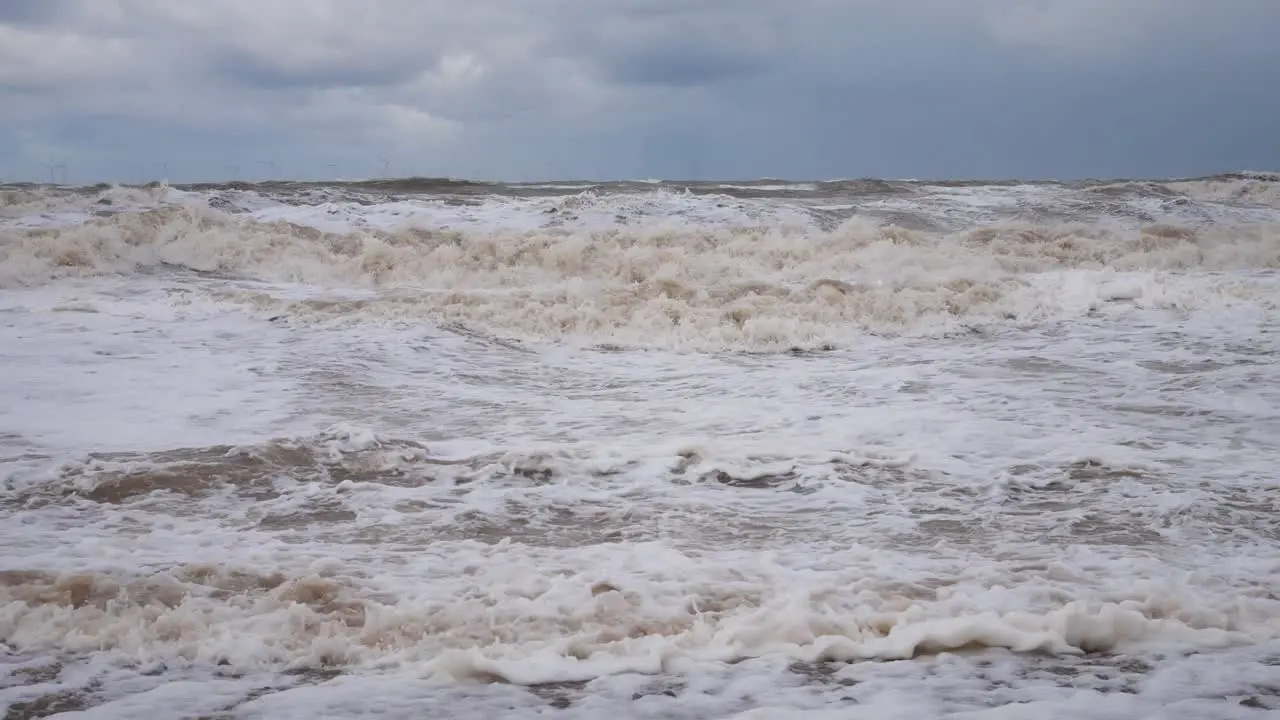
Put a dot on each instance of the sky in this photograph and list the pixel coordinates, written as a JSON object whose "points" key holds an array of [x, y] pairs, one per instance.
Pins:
{"points": [[526, 90]]}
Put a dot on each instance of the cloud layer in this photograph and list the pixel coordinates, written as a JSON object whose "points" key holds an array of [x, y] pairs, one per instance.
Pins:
{"points": [[128, 90]]}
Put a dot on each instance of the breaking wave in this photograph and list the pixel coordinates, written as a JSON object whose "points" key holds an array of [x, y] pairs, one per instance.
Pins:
{"points": [[764, 286]]}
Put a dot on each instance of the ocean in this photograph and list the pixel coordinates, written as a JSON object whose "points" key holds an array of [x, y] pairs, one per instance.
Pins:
{"points": [[429, 448]]}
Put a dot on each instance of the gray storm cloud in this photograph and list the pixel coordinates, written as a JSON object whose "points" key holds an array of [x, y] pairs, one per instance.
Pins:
{"points": [[511, 89]]}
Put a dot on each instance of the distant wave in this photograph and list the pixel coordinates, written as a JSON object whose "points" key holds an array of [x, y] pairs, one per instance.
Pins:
{"points": [[662, 270], [428, 184]]}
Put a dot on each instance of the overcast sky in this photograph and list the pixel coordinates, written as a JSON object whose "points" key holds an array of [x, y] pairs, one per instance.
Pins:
{"points": [[127, 90]]}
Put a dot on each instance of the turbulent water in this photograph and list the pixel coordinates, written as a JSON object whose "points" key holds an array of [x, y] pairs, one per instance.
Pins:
{"points": [[424, 448]]}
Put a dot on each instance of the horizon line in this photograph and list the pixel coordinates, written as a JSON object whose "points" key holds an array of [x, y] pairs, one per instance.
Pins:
{"points": [[1264, 175]]}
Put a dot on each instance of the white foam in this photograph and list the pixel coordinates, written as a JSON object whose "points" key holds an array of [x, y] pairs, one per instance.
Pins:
{"points": [[137, 364], [196, 498]]}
